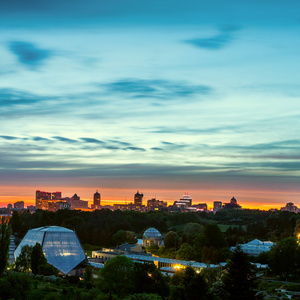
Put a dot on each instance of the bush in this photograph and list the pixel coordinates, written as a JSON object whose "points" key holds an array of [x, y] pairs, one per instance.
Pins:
{"points": [[15, 286]]}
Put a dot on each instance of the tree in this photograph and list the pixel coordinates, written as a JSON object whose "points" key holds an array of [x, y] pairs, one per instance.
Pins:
{"points": [[186, 252], [23, 261], [284, 257], [191, 231], [192, 286], [213, 242], [239, 277], [117, 276], [122, 237], [16, 223], [171, 240], [4, 244], [37, 258], [148, 279]]}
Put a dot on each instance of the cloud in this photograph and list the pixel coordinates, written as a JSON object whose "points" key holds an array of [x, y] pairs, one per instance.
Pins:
{"points": [[196, 131], [120, 142], [28, 54], [39, 138], [64, 139], [91, 140], [13, 97], [136, 148], [216, 42], [8, 137], [155, 88]]}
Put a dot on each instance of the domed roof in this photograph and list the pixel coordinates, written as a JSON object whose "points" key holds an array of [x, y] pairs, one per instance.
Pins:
{"points": [[152, 233]]}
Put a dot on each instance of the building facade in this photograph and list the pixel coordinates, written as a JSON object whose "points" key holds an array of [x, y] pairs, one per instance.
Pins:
{"points": [[97, 200]]}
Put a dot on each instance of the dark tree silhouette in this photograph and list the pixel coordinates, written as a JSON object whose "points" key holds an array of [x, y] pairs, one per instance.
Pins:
{"points": [[239, 277], [4, 244]]}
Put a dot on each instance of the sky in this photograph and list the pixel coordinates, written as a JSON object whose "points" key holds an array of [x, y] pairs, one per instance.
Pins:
{"points": [[164, 97]]}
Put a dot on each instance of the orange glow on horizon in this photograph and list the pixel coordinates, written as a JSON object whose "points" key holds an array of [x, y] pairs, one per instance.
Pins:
{"points": [[263, 200]]}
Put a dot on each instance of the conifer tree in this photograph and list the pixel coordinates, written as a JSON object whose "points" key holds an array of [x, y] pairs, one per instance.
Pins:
{"points": [[5, 233], [239, 277]]}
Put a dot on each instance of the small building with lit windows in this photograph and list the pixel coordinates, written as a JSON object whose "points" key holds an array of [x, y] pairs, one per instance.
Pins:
{"points": [[152, 237]]}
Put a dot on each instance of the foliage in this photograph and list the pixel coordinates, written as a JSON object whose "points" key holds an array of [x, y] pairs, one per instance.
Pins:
{"points": [[144, 296], [47, 270], [116, 276], [186, 252], [284, 257], [190, 287], [122, 237], [37, 258], [5, 232], [15, 286], [16, 223], [23, 261], [239, 277], [171, 240]]}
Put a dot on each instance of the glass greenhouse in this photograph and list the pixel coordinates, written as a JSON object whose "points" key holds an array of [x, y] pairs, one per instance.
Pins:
{"points": [[60, 246]]}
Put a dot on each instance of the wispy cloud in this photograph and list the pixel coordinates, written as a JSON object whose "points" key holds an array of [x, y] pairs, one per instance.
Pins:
{"points": [[155, 88], [91, 140], [215, 42], [28, 53]]}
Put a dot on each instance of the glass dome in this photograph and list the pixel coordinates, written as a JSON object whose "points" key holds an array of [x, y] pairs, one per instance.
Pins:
{"points": [[152, 233], [60, 245]]}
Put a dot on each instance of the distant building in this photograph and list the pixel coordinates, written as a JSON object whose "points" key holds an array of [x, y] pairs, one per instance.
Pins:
{"points": [[152, 237], [56, 196], [138, 198], [97, 201], [54, 201], [9, 206], [31, 207], [75, 197], [290, 207], [19, 205], [154, 204], [201, 206], [217, 206], [232, 205], [255, 247], [41, 199], [76, 203], [55, 206], [130, 206]]}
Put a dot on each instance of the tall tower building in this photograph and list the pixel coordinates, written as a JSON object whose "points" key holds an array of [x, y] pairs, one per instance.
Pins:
{"points": [[40, 197], [97, 200], [138, 199]]}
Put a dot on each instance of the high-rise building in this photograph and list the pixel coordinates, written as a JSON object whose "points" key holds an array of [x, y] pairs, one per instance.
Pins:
{"points": [[41, 196], [19, 205], [217, 206], [97, 200], [138, 198], [154, 204], [184, 202], [56, 196]]}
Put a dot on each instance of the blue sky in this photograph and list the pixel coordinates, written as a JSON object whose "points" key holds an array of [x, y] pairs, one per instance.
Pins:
{"points": [[164, 97]]}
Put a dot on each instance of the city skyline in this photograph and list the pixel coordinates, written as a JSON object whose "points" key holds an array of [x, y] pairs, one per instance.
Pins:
{"points": [[131, 199], [158, 97]]}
